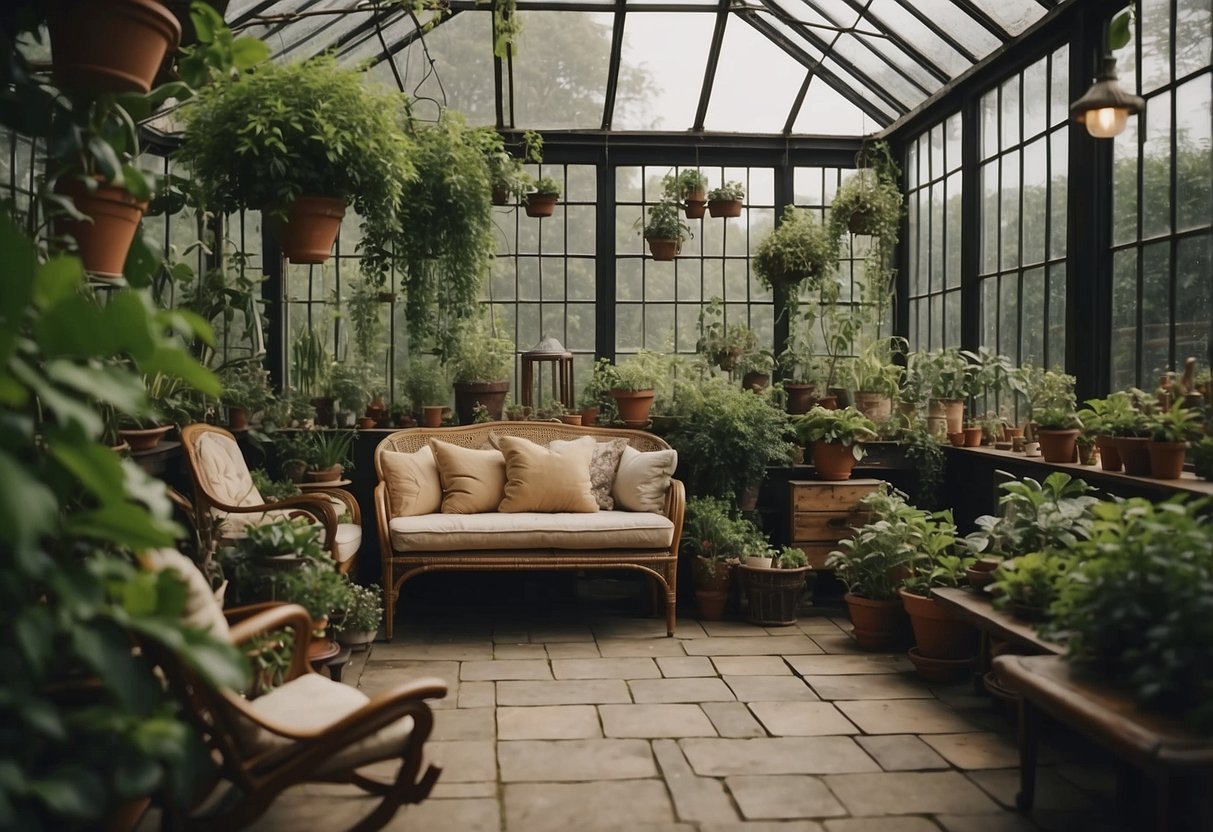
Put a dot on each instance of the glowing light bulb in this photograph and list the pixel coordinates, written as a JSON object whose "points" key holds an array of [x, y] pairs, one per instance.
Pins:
{"points": [[1107, 122]]}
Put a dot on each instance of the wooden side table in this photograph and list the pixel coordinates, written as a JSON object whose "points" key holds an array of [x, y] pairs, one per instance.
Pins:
{"points": [[822, 513]]}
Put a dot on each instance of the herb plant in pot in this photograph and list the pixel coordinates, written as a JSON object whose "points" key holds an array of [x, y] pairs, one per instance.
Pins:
{"points": [[664, 231], [358, 622], [725, 201], [246, 392], [799, 251], [1053, 514], [948, 377], [720, 343], [687, 187], [773, 593], [541, 200], [873, 563], [1169, 441], [870, 201], [711, 537], [327, 455], [836, 437], [633, 387], [480, 364], [298, 141], [1058, 429], [350, 386], [1028, 584], [875, 379], [424, 384], [1105, 419]]}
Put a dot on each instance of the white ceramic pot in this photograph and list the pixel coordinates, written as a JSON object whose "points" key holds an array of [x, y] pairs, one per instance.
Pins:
{"points": [[1031, 448]]}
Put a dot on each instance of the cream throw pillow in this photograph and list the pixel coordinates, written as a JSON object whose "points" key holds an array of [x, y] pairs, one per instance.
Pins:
{"points": [[203, 610], [603, 468], [473, 481], [643, 479], [413, 486], [548, 479]]}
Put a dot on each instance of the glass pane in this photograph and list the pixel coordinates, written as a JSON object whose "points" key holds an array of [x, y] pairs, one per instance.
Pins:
{"points": [[1008, 317], [989, 312], [989, 217], [937, 240], [949, 17], [733, 99], [1057, 315], [1059, 186], [659, 327], [1124, 319], [1033, 317], [936, 135], [882, 75], [953, 134], [1194, 293], [1155, 310], [1035, 204], [807, 184], [1156, 158], [1124, 183], [951, 319], [1193, 154], [1009, 211], [1193, 32], [1154, 24], [825, 112], [1035, 98], [989, 124], [660, 76], [912, 245], [952, 240], [936, 321], [891, 16], [1012, 15], [1009, 104], [1059, 86], [560, 68]]}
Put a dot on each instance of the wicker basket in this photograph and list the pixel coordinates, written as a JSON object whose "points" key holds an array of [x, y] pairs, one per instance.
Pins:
{"points": [[774, 594]]}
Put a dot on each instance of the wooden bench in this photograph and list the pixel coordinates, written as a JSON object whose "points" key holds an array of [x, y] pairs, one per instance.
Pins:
{"points": [[1151, 742]]}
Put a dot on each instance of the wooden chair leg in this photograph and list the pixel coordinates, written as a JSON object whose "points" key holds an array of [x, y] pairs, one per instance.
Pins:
{"points": [[1029, 725]]}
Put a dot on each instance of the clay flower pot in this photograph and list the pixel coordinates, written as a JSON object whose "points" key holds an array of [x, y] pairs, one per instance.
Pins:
{"points": [[310, 229], [491, 394], [540, 205], [1109, 453], [571, 418], [431, 415], [237, 418], [756, 381], [663, 248], [501, 194], [1166, 459], [330, 474], [103, 243], [115, 46], [800, 397], [1057, 445], [875, 406], [937, 633], [833, 460], [143, 439], [724, 207], [634, 406], [589, 416], [972, 437], [1134, 454], [957, 439], [878, 625]]}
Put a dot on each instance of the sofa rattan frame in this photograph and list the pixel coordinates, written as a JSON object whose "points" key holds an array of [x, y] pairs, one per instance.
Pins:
{"points": [[659, 565]]}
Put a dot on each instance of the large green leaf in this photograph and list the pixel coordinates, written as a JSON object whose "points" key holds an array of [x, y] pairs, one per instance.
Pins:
{"points": [[1118, 31], [27, 511], [128, 318], [107, 649], [174, 361], [95, 466], [126, 524], [58, 278], [70, 791], [113, 385]]}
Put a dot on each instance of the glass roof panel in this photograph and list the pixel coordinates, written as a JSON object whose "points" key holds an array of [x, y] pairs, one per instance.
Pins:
{"points": [[323, 32], [367, 46], [462, 71], [825, 112], [660, 77], [1013, 15], [891, 16], [957, 23], [848, 48], [747, 55], [560, 69]]}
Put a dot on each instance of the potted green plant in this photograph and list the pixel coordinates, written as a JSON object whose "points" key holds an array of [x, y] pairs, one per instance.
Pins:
{"points": [[727, 437], [541, 199], [800, 250], [634, 381], [756, 367], [687, 187], [505, 171], [327, 454], [310, 362], [480, 364], [1033, 516], [837, 439], [1027, 585], [711, 537], [876, 379], [1169, 440], [1136, 609], [425, 385], [246, 392], [870, 201], [1105, 419], [872, 564], [725, 201], [947, 376], [665, 231], [720, 343], [350, 386], [166, 394], [773, 593], [597, 404], [802, 371], [298, 141], [357, 623], [1052, 413]]}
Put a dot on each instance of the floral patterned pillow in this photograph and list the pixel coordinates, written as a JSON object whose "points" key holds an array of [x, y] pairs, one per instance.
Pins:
{"points": [[603, 467]]}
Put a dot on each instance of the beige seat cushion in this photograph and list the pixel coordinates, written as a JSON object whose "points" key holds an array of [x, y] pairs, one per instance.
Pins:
{"points": [[413, 486], [202, 609], [547, 479], [473, 481], [531, 530], [313, 702], [349, 540], [603, 468], [643, 479]]}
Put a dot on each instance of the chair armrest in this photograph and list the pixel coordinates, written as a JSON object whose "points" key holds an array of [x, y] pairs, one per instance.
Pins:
{"points": [[345, 497], [234, 615], [675, 507], [276, 616], [407, 699], [318, 506]]}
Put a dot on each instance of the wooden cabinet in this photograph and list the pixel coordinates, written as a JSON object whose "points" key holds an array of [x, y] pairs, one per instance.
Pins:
{"points": [[823, 513]]}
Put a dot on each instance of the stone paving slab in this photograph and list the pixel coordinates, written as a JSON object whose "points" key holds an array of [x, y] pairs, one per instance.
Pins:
{"points": [[790, 645], [548, 722], [554, 761], [905, 716], [562, 807], [751, 666], [464, 724], [464, 761], [802, 719], [902, 752], [462, 791], [881, 825], [975, 751], [505, 669], [837, 643], [627, 648], [581, 692], [676, 667], [909, 793], [776, 755], [471, 815], [764, 826], [724, 629], [519, 651], [868, 686], [681, 690], [824, 665], [557, 634], [1003, 822], [433, 652], [733, 719], [623, 668], [572, 650], [655, 721], [760, 688], [477, 695], [783, 796], [695, 798]]}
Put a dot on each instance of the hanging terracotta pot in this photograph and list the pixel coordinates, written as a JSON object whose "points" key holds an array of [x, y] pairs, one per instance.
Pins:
{"points": [[310, 229], [694, 209], [663, 248], [1057, 445], [724, 207], [113, 46], [860, 222], [540, 205], [103, 243], [501, 194], [634, 406], [833, 460]]}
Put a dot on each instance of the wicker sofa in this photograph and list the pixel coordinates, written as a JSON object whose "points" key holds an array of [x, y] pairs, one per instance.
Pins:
{"points": [[414, 545]]}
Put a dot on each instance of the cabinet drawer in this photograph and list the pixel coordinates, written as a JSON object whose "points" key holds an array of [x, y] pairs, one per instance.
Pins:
{"points": [[829, 496], [821, 525]]}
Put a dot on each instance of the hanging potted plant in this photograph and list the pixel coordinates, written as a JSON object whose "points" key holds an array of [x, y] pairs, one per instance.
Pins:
{"points": [[725, 201], [480, 364], [505, 170], [799, 250], [837, 439], [632, 387], [688, 188], [298, 142], [756, 367], [115, 46], [773, 593], [870, 201], [665, 231], [719, 343], [541, 199]]}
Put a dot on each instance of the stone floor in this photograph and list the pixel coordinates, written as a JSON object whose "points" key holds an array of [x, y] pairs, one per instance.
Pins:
{"points": [[581, 719]]}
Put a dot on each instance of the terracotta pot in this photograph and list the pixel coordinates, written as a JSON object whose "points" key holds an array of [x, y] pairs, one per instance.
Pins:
{"points": [[939, 670], [330, 474], [589, 416], [431, 415], [833, 460], [1166, 459], [143, 439], [103, 243], [878, 625], [663, 248], [972, 437], [875, 406], [937, 419], [954, 414], [938, 633], [1134, 454], [1058, 445], [800, 397], [695, 208], [237, 418], [571, 418], [757, 563], [295, 471], [310, 229], [1109, 453], [501, 194], [981, 573], [756, 381], [491, 394], [774, 594], [724, 207], [1009, 433], [367, 422], [711, 603], [324, 410], [634, 406], [115, 46], [540, 205], [957, 439]]}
